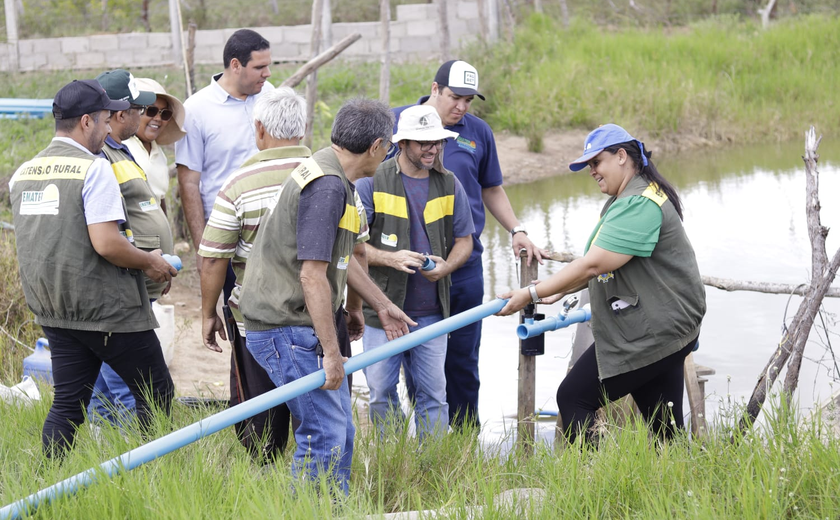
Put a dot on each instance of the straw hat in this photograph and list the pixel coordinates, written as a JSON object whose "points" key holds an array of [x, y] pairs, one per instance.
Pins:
{"points": [[174, 131]]}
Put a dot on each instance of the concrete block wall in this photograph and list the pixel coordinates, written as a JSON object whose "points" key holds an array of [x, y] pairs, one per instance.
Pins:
{"points": [[414, 34]]}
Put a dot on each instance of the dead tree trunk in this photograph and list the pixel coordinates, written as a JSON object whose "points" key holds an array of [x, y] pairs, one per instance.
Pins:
{"points": [[385, 63], [313, 64], [443, 15], [564, 11], [312, 82], [822, 274]]}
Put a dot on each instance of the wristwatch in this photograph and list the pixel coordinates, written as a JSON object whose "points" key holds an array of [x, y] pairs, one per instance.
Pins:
{"points": [[518, 229], [533, 290]]}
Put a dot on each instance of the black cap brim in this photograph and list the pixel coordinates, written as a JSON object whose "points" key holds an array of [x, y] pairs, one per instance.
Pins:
{"points": [[466, 92], [116, 105]]}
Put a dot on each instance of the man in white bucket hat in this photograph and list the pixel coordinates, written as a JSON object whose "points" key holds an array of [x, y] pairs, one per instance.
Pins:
{"points": [[420, 232]]}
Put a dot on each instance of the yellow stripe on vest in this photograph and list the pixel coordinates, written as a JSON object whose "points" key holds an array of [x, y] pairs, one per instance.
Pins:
{"points": [[51, 168], [127, 170], [388, 204], [306, 172], [438, 208], [350, 220], [653, 193]]}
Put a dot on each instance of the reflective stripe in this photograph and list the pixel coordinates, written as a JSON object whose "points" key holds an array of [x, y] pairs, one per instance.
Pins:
{"points": [[653, 193], [127, 171], [388, 204], [439, 208], [306, 172], [51, 168], [350, 220]]}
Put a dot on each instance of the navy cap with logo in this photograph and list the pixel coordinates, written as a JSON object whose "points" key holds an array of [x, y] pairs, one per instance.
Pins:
{"points": [[120, 84], [84, 96], [460, 77]]}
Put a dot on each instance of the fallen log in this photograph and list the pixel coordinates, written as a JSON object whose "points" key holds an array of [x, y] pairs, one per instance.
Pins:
{"points": [[319, 60]]}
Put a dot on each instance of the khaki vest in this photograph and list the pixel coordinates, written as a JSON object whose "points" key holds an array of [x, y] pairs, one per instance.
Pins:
{"points": [[148, 221], [65, 282], [272, 295], [666, 296], [390, 230]]}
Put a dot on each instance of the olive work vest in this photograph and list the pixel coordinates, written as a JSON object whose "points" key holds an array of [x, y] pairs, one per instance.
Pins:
{"points": [[148, 221], [67, 284], [272, 294], [390, 230], [666, 297]]}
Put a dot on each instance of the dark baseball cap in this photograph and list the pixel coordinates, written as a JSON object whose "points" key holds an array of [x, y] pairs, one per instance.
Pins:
{"points": [[120, 84], [84, 96], [460, 77]]}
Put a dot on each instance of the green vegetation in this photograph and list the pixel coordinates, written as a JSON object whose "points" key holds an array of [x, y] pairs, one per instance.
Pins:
{"points": [[787, 471], [717, 80]]}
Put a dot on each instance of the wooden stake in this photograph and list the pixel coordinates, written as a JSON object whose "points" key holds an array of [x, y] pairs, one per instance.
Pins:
{"points": [[385, 59], [526, 402], [312, 82], [316, 62]]}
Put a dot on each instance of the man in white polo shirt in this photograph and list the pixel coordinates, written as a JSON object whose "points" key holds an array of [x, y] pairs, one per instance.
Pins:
{"points": [[220, 130]]}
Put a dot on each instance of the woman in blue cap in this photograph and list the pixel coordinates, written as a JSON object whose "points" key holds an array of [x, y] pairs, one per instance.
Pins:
{"points": [[646, 294]]}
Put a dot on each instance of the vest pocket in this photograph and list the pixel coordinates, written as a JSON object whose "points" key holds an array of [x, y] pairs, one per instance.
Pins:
{"points": [[629, 317], [147, 242]]}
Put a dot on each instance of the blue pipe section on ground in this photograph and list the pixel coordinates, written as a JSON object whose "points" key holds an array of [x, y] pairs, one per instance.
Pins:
{"points": [[178, 439], [529, 330]]}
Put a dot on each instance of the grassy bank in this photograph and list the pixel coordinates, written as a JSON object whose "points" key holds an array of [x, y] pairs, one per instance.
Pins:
{"points": [[786, 471], [718, 80]]}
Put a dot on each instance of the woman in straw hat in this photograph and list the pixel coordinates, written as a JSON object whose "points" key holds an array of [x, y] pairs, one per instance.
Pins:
{"points": [[645, 289], [161, 125]]}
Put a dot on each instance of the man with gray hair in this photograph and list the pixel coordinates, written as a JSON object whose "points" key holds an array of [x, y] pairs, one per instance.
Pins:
{"points": [[298, 270], [241, 206]]}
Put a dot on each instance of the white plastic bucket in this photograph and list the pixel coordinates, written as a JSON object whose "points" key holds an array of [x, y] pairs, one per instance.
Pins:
{"points": [[165, 315]]}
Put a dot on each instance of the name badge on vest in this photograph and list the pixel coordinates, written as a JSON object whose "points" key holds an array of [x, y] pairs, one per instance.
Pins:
{"points": [[389, 240], [149, 205], [40, 202], [343, 262]]}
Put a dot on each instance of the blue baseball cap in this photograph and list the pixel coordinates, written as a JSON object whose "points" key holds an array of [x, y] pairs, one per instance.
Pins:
{"points": [[603, 137]]}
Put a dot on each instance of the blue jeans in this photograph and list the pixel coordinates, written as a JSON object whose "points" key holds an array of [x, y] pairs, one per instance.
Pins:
{"points": [[325, 435], [426, 372], [112, 400]]}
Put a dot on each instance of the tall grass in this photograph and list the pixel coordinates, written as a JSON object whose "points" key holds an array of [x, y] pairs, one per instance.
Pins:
{"points": [[718, 80], [785, 470]]}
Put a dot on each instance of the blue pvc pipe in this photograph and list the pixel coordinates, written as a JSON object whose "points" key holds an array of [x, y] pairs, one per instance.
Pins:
{"points": [[529, 330], [180, 438]]}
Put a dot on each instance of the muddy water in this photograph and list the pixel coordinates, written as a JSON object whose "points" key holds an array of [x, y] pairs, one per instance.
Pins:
{"points": [[745, 215]]}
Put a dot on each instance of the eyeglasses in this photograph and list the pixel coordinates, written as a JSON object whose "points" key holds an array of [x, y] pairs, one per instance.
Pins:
{"points": [[141, 109], [425, 146], [165, 114], [392, 147]]}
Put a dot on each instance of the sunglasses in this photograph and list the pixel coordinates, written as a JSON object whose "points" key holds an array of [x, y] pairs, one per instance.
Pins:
{"points": [[425, 146], [165, 114]]}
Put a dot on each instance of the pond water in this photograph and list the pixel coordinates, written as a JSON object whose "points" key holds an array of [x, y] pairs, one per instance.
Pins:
{"points": [[745, 215]]}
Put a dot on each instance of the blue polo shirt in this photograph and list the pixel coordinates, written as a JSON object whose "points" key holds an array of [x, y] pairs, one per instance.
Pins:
{"points": [[472, 157]]}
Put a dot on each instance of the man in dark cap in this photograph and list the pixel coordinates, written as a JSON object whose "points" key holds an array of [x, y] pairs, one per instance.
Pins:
{"points": [[112, 400], [81, 274], [473, 159]]}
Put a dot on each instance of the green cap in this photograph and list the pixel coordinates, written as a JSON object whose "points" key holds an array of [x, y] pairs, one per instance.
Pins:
{"points": [[120, 85]]}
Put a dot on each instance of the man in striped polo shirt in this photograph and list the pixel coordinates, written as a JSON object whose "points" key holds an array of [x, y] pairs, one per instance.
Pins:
{"points": [[245, 199]]}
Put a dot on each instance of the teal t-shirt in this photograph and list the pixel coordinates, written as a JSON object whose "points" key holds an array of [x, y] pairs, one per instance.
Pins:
{"points": [[629, 227]]}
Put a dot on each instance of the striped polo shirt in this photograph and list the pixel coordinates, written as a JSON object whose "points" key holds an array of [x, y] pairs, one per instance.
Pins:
{"points": [[244, 201]]}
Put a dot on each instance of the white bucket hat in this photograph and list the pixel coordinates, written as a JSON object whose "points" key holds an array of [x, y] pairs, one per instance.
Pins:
{"points": [[421, 123], [174, 131]]}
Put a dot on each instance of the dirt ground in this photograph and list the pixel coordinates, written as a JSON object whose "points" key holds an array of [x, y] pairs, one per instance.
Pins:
{"points": [[198, 371]]}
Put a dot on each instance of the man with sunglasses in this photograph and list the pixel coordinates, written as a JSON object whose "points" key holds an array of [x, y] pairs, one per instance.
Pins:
{"points": [[112, 399], [417, 210], [473, 159]]}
